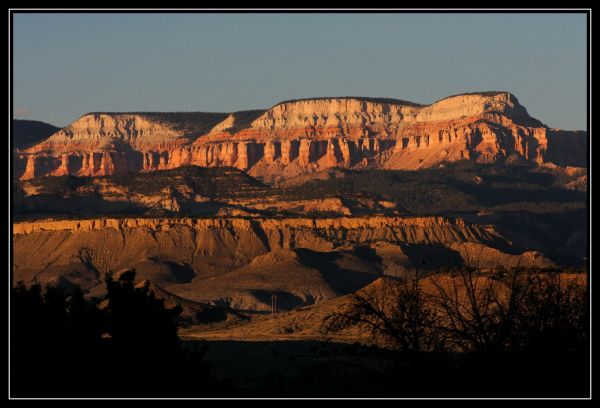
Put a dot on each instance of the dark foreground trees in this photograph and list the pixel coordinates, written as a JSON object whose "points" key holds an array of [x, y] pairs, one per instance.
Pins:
{"points": [[65, 346], [505, 333], [460, 334]]}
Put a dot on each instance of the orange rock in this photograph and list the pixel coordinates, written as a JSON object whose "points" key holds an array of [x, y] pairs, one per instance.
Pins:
{"points": [[345, 132]]}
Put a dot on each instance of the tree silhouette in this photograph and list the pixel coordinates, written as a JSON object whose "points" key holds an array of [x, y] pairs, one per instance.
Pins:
{"points": [[470, 310], [472, 333], [143, 333], [127, 346], [394, 314]]}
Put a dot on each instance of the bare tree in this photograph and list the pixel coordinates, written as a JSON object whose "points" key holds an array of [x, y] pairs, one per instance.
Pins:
{"points": [[474, 310], [394, 313], [553, 314], [477, 311], [518, 310]]}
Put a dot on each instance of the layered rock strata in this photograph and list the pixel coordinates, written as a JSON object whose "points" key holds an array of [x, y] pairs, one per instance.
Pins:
{"points": [[308, 134], [405, 229], [184, 251]]}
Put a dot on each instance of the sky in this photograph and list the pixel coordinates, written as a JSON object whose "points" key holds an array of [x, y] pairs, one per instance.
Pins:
{"points": [[65, 64]]}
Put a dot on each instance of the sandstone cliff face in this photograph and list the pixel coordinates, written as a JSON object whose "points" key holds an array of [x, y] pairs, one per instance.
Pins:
{"points": [[102, 131], [216, 245], [229, 261], [354, 118], [310, 135], [407, 229], [422, 145]]}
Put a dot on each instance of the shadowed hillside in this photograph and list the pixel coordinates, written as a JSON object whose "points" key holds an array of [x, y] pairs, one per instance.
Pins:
{"points": [[28, 132]]}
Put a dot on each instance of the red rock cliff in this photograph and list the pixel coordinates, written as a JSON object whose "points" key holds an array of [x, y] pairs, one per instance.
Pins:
{"points": [[306, 135]]}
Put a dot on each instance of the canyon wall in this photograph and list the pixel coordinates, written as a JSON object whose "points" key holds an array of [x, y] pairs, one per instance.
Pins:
{"points": [[310, 134], [216, 244], [281, 231], [187, 252]]}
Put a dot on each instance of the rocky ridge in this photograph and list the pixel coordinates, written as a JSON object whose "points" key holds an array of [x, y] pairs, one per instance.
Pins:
{"points": [[305, 136], [237, 262]]}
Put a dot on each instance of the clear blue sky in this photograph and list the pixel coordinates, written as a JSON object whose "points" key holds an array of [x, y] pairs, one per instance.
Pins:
{"points": [[69, 64]]}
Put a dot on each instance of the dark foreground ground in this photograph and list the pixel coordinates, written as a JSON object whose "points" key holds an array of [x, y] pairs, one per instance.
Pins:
{"points": [[325, 369], [128, 346]]}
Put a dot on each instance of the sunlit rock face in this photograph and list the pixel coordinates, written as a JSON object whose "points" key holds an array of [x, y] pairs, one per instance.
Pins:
{"points": [[75, 251], [305, 136]]}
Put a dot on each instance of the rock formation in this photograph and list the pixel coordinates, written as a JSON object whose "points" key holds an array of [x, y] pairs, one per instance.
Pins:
{"points": [[406, 229], [192, 255], [308, 135]]}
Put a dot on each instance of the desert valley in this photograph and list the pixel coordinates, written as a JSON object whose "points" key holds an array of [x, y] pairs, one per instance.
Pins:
{"points": [[260, 225], [193, 198], [293, 204]]}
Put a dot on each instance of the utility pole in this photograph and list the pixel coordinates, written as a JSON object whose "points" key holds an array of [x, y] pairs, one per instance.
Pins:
{"points": [[273, 303]]}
